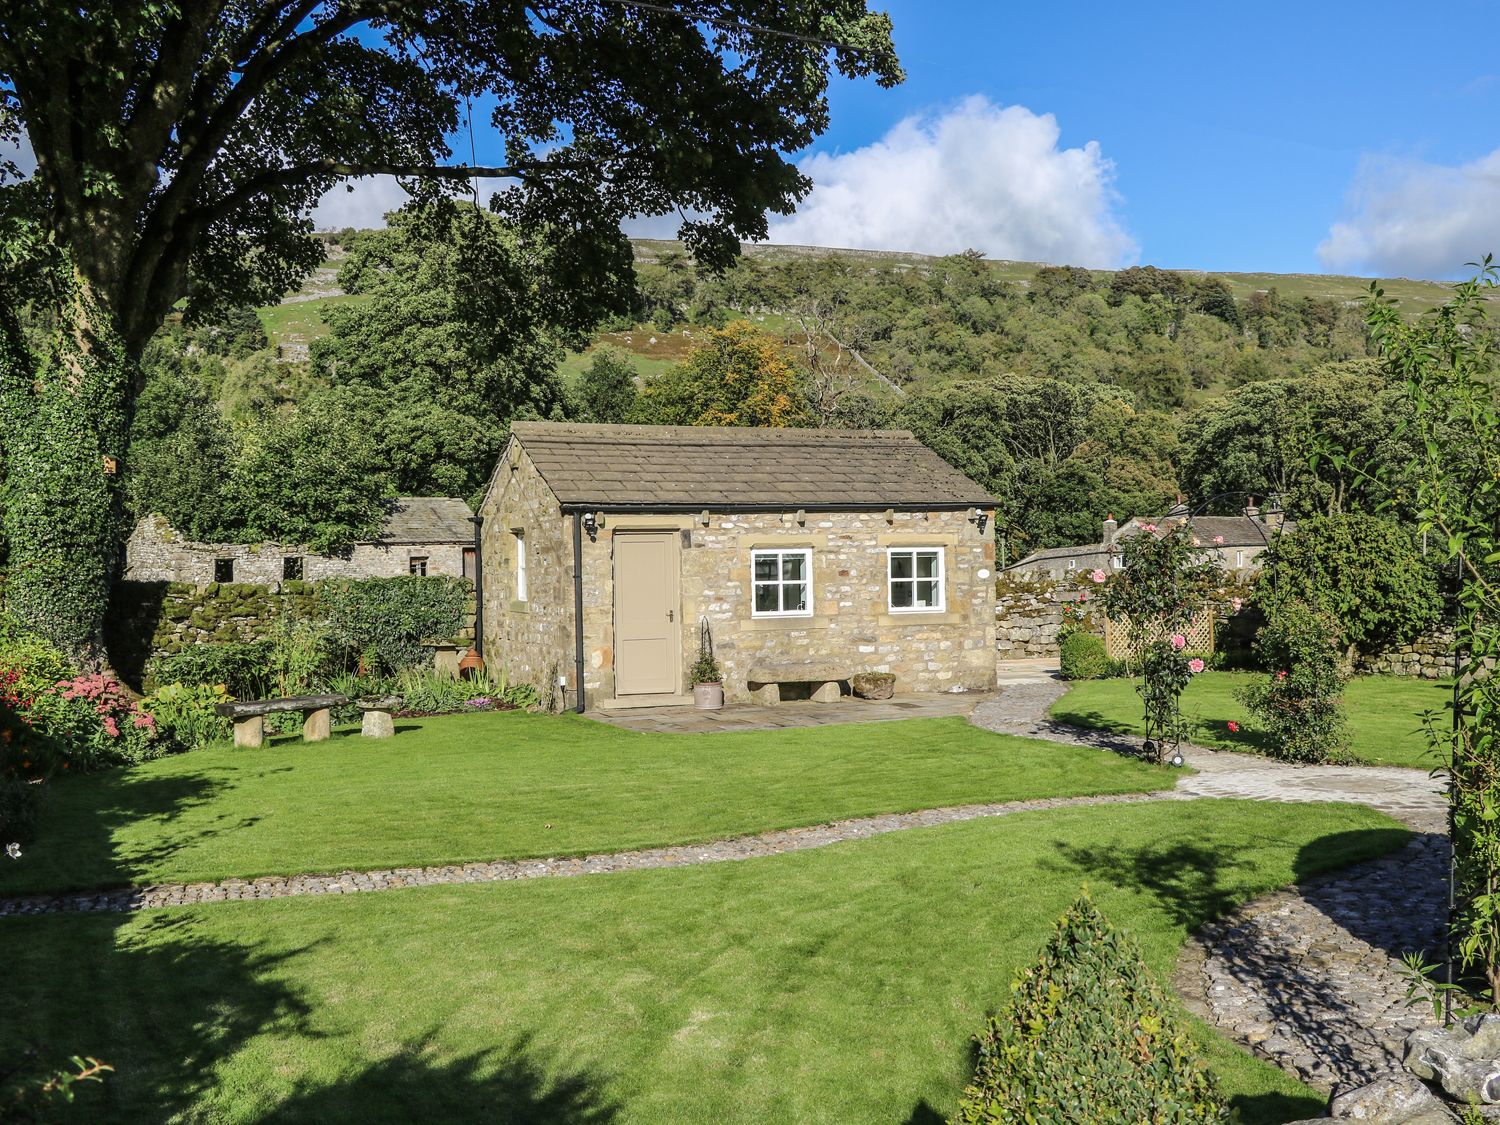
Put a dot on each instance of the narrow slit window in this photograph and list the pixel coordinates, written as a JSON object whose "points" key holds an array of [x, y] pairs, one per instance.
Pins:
{"points": [[915, 579], [520, 566], [781, 583]]}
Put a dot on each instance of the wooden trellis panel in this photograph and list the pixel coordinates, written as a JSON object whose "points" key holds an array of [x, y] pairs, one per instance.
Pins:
{"points": [[1199, 634]]}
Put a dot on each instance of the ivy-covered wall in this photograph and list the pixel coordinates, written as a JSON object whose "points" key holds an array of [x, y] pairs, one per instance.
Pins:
{"points": [[148, 619]]}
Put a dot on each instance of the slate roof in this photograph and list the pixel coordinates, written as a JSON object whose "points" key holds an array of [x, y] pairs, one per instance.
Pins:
{"points": [[427, 519], [688, 467]]}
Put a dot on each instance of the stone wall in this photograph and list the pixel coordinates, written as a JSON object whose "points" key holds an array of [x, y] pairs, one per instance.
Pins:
{"points": [[1430, 657], [1028, 615], [155, 552], [149, 619], [531, 639], [850, 625]]}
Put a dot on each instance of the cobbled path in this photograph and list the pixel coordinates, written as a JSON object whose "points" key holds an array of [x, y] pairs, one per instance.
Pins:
{"points": [[1307, 977]]}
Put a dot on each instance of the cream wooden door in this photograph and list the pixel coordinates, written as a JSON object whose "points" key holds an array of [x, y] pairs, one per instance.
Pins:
{"points": [[648, 635]]}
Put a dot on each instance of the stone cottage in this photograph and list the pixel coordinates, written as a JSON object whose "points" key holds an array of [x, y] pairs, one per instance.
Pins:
{"points": [[1238, 541], [806, 556], [421, 535]]}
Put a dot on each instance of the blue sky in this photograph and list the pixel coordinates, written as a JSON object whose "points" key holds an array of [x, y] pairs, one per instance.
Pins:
{"points": [[1309, 137], [1239, 134]]}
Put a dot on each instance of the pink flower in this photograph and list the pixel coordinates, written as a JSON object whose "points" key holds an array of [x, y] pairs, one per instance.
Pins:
{"points": [[111, 728], [1234, 727], [1098, 576], [1236, 603], [1148, 527], [1179, 642], [1195, 665], [1083, 595], [1281, 675], [1218, 541]]}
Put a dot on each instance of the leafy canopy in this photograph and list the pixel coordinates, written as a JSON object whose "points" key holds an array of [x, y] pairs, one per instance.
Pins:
{"points": [[737, 376]]}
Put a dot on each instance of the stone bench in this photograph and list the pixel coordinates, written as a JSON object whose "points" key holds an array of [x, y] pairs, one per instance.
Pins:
{"points": [[765, 680], [377, 721], [250, 716]]}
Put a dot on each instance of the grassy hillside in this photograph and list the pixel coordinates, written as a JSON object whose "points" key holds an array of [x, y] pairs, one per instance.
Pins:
{"points": [[299, 318]]}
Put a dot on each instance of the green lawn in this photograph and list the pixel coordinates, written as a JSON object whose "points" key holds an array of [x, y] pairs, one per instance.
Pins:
{"points": [[506, 785], [1384, 713], [835, 985]]}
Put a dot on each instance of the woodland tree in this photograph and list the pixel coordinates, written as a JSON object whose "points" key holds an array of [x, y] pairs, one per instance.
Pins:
{"points": [[180, 146]]}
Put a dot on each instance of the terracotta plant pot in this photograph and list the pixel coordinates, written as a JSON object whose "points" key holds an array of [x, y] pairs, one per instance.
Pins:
{"points": [[471, 664], [708, 697]]}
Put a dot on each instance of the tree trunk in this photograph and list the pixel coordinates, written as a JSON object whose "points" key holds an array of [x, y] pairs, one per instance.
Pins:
{"points": [[67, 415]]}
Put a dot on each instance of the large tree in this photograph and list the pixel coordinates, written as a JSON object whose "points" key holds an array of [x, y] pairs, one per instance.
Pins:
{"points": [[179, 147]]}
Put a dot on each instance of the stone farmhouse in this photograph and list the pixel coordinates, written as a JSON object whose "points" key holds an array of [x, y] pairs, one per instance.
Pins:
{"points": [[1238, 541], [428, 535], [804, 556]]}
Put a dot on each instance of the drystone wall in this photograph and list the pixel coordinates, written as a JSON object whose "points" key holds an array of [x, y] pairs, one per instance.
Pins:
{"points": [[149, 619], [1030, 612], [1429, 657]]}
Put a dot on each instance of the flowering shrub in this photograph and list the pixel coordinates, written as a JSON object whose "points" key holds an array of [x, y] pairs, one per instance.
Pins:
{"points": [[1165, 582], [90, 722], [1298, 704]]}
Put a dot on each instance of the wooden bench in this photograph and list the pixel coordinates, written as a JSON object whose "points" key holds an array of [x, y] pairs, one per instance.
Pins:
{"points": [[765, 680], [250, 716]]}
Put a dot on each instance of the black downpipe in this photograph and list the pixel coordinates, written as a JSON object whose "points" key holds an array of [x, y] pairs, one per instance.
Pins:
{"points": [[478, 522], [578, 609]]}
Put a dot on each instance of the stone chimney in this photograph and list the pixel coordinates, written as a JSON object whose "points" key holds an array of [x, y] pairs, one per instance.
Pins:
{"points": [[1251, 510], [1275, 515], [1110, 527]]}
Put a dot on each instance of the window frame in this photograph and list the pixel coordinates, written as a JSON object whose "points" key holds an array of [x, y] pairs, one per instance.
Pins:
{"points": [[942, 579], [290, 563], [412, 562], [224, 564], [781, 583], [523, 575]]}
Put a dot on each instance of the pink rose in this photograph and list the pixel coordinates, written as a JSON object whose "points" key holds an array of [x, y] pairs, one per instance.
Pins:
{"points": [[1195, 665], [1179, 642], [1218, 541], [1098, 576], [1148, 527]]}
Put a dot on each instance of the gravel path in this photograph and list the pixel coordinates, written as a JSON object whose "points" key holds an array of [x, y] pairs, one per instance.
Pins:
{"points": [[716, 851], [1307, 977]]}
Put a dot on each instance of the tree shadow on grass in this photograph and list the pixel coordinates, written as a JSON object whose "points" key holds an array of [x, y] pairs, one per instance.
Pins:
{"points": [[511, 1085]]}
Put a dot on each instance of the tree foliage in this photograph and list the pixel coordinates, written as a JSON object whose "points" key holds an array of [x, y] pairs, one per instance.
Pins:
{"points": [[1297, 703], [180, 147], [737, 376], [1365, 573], [606, 390], [1446, 362]]}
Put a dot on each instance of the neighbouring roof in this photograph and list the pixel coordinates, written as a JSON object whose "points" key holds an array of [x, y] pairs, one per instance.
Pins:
{"points": [[1237, 531], [687, 467], [427, 519]]}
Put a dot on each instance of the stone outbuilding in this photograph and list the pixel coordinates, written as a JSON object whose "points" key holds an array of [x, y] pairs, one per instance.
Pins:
{"points": [[804, 556], [428, 535], [1237, 541]]}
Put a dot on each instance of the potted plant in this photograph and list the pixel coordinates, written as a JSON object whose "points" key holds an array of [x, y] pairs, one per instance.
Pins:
{"points": [[708, 681]]}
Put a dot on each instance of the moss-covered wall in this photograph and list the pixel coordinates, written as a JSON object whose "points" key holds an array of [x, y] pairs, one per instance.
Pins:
{"points": [[149, 619]]}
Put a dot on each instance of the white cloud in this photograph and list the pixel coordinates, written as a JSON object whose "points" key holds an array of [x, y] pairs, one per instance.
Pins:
{"points": [[358, 203], [977, 176], [1414, 219]]}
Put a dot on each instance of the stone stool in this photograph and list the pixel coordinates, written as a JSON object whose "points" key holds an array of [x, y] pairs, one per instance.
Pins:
{"points": [[377, 722]]}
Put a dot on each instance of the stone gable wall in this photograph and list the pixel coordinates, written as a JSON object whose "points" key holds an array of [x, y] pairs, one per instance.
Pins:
{"points": [[531, 640], [155, 552]]}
